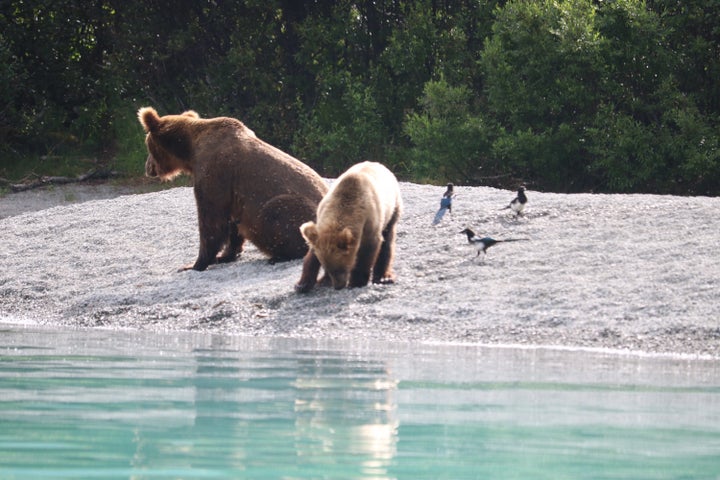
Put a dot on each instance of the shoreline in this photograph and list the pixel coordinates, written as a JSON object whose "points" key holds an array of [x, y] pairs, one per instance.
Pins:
{"points": [[598, 272], [368, 344]]}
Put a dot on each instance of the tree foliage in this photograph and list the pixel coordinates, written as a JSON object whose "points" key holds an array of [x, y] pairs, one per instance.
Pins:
{"points": [[567, 95], [450, 139]]}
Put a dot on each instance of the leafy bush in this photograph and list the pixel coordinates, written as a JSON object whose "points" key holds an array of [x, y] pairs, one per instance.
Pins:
{"points": [[450, 143], [343, 129], [569, 95]]}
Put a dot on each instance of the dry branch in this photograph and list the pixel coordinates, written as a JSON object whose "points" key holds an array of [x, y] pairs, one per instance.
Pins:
{"points": [[44, 180]]}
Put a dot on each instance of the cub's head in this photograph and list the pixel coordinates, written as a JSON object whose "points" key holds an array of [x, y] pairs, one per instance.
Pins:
{"points": [[335, 248], [169, 142]]}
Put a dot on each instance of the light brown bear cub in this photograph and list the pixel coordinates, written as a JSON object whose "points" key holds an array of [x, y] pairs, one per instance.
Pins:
{"points": [[245, 189], [355, 230]]}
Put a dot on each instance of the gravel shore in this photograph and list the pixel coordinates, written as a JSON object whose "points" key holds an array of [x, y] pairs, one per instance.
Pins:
{"points": [[636, 273]]}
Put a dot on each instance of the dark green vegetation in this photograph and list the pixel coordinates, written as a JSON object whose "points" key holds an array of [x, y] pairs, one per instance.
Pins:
{"points": [[564, 95]]}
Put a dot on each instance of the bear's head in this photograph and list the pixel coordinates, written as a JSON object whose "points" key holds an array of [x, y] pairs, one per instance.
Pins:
{"points": [[336, 249], [169, 143]]}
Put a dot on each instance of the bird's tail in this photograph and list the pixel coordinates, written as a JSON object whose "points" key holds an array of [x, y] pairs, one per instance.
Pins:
{"points": [[505, 208], [439, 215], [513, 240]]}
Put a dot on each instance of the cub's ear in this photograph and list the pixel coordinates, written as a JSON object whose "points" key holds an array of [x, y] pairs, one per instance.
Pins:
{"points": [[149, 119], [345, 239], [191, 114], [309, 232]]}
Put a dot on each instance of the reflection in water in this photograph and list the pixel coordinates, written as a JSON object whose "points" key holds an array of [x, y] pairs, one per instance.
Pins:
{"points": [[326, 410], [367, 431], [98, 404]]}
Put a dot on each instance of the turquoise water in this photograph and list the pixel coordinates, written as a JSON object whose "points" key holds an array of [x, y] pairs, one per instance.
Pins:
{"points": [[100, 404]]}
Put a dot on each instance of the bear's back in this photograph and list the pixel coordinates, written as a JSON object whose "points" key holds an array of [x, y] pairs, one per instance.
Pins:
{"points": [[365, 189], [284, 171], [227, 148]]}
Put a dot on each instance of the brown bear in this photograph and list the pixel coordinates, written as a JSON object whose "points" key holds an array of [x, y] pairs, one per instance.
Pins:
{"points": [[355, 229], [245, 189]]}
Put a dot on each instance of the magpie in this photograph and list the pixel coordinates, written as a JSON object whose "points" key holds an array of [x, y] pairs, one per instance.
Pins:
{"points": [[485, 242], [518, 203], [445, 204]]}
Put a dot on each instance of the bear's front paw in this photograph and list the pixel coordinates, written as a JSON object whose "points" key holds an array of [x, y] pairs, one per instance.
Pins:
{"points": [[198, 266], [303, 287]]}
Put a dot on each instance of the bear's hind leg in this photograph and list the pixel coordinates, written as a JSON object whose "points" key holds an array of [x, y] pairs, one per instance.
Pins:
{"points": [[278, 232], [234, 246], [213, 234], [382, 271]]}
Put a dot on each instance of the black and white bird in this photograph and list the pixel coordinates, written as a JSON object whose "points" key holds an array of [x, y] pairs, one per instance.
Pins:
{"points": [[445, 204], [484, 243], [517, 204]]}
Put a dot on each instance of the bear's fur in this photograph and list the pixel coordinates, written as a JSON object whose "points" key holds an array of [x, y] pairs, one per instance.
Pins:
{"points": [[245, 189], [355, 230]]}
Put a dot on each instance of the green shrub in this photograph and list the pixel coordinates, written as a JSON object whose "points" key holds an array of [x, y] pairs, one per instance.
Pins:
{"points": [[449, 141], [343, 129]]}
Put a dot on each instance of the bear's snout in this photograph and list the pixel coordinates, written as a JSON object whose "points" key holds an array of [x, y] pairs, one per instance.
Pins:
{"points": [[339, 280], [150, 167]]}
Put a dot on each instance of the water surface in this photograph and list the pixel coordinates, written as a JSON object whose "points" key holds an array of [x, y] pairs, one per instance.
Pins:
{"points": [[108, 404]]}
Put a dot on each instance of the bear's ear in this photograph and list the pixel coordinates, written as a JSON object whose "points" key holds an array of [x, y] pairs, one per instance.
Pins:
{"points": [[149, 119], [191, 114], [309, 232], [345, 239]]}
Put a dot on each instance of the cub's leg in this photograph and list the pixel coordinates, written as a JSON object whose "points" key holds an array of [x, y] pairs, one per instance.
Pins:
{"points": [[382, 271], [310, 270], [366, 256]]}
